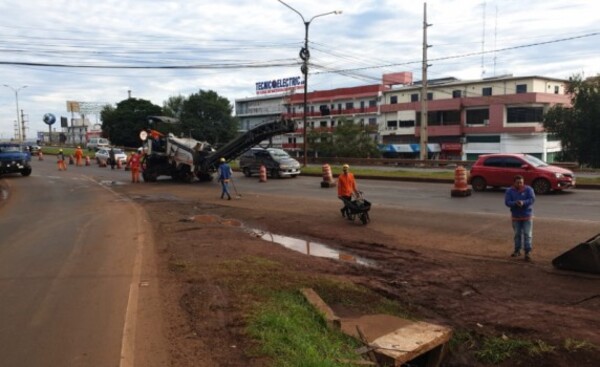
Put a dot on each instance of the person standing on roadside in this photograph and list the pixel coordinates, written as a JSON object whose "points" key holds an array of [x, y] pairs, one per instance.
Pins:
{"points": [[346, 187], [134, 166], [224, 178], [78, 155], [111, 158], [60, 159], [520, 198]]}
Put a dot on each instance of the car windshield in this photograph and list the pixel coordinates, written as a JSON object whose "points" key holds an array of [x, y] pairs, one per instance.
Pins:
{"points": [[10, 148], [536, 162], [278, 153]]}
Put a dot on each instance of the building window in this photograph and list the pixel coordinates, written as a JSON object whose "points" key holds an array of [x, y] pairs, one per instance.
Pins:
{"points": [[414, 97], [487, 91], [406, 123], [521, 88], [324, 110], [323, 124], [556, 89], [339, 107], [515, 115], [430, 96], [362, 106], [349, 105], [394, 99], [392, 125], [332, 123], [478, 116], [456, 93], [373, 103], [372, 121]]}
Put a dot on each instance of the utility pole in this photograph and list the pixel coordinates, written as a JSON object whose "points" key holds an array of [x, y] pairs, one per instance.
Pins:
{"points": [[423, 131], [23, 126]]}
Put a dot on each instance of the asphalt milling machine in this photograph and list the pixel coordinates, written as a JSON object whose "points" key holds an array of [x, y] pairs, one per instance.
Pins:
{"points": [[185, 158]]}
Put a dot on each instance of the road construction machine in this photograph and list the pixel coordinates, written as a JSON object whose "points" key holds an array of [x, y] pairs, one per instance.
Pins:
{"points": [[185, 158]]}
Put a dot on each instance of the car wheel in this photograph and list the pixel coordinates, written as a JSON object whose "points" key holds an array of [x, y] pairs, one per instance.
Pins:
{"points": [[478, 183], [247, 172], [275, 173], [541, 186], [26, 172]]}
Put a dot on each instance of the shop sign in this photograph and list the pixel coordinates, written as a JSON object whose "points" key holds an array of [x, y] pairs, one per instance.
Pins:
{"points": [[279, 85]]}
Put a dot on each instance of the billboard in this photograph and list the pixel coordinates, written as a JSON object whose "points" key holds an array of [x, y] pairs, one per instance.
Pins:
{"points": [[279, 85]]}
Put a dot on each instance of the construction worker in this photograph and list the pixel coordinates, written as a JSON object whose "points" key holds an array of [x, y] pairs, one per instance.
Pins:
{"points": [[134, 166], [60, 159], [346, 187], [78, 156], [224, 177]]}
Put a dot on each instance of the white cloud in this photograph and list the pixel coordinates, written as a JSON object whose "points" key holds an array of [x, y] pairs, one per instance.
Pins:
{"points": [[366, 36]]}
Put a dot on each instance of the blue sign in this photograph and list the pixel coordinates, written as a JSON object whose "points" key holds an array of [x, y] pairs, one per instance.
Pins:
{"points": [[49, 119]]}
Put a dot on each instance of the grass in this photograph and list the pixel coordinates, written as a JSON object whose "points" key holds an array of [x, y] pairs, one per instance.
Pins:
{"points": [[285, 326], [291, 333]]}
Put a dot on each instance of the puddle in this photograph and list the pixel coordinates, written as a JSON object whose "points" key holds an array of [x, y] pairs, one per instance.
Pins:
{"points": [[310, 248]]}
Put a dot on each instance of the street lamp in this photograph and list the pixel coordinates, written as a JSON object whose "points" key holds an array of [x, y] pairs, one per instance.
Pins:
{"points": [[20, 129], [305, 55]]}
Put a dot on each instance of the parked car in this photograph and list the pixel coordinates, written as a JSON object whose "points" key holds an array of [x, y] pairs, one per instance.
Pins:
{"points": [[276, 161], [104, 155], [97, 143], [32, 147], [499, 170]]}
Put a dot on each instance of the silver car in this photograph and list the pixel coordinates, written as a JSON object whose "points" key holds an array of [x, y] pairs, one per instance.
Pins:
{"points": [[103, 154]]}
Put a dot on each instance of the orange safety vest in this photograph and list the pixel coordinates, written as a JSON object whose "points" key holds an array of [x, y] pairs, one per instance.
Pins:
{"points": [[346, 184]]}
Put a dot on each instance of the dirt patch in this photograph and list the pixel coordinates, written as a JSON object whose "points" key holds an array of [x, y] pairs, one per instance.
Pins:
{"points": [[453, 271]]}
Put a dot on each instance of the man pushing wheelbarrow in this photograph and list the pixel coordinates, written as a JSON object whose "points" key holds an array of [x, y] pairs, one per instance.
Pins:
{"points": [[346, 189]]}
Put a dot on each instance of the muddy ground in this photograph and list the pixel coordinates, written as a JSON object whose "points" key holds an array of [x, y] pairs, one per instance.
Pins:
{"points": [[444, 268]]}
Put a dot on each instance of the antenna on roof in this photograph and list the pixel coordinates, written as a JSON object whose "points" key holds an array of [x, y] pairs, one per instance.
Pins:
{"points": [[483, 43], [495, 38]]}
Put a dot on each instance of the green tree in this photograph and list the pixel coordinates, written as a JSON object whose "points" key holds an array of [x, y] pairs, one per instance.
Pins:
{"points": [[207, 116], [347, 140], [578, 126], [123, 123], [173, 107]]}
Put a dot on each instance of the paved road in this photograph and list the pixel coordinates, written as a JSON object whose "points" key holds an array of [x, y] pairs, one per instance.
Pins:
{"points": [[70, 268]]}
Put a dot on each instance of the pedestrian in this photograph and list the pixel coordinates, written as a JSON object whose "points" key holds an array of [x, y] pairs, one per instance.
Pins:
{"points": [[78, 155], [346, 187], [111, 158], [60, 159], [520, 198], [225, 174], [134, 166]]}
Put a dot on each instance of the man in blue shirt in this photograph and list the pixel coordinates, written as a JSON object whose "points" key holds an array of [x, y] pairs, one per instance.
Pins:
{"points": [[520, 198], [224, 178]]}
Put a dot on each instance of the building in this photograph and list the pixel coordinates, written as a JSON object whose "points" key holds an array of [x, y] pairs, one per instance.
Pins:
{"points": [[501, 114], [467, 118]]}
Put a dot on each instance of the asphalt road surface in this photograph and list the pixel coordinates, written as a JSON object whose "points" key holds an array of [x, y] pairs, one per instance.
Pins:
{"points": [[71, 271], [74, 284]]}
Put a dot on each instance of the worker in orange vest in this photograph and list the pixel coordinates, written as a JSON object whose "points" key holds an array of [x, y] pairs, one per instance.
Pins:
{"points": [[346, 187], [78, 156], [60, 159], [134, 166]]}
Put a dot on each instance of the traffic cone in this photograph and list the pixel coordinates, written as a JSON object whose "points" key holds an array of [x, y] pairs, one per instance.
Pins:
{"points": [[87, 160], [40, 155], [461, 188], [327, 177], [263, 173]]}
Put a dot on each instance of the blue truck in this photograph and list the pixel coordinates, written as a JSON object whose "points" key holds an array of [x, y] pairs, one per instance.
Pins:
{"points": [[14, 159]]}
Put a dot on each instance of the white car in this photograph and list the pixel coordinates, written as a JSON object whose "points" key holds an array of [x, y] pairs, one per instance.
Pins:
{"points": [[103, 154]]}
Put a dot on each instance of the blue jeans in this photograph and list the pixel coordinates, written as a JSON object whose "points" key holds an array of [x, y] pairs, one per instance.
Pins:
{"points": [[225, 188], [523, 230]]}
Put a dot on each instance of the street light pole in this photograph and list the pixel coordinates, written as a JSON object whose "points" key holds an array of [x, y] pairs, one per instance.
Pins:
{"points": [[20, 129], [305, 56]]}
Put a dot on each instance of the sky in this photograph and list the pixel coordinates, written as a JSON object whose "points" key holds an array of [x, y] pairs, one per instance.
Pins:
{"points": [[96, 51]]}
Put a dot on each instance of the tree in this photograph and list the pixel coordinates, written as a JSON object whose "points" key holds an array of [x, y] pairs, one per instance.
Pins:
{"points": [[123, 123], [207, 116], [347, 140], [578, 126]]}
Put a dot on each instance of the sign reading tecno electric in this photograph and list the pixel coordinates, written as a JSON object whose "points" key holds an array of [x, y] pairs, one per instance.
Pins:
{"points": [[279, 85]]}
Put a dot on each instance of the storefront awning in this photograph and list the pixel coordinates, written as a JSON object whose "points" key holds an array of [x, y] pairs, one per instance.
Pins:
{"points": [[408, 148]]}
